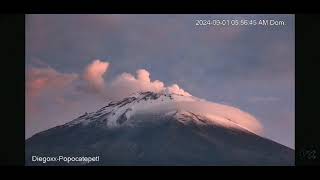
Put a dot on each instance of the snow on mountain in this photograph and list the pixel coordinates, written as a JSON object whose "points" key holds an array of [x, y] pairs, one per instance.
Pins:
{"points": [[117, 113], [163, 128]]}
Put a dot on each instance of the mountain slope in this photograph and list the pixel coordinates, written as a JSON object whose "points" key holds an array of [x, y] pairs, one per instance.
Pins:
{"points": [[160, 129]]}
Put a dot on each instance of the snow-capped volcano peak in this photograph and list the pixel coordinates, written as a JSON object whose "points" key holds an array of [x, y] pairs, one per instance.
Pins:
{"points": [[166, 128], [184, 108]]}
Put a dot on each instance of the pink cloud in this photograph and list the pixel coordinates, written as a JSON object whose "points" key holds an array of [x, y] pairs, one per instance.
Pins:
{"points": [[41, 79], [94, 74]]}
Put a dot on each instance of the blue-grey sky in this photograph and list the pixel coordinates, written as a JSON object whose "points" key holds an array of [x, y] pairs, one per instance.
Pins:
{"points": [[249, 67]]}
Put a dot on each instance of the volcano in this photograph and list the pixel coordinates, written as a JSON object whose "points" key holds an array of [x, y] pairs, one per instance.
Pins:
{"points": [[149, 128]]}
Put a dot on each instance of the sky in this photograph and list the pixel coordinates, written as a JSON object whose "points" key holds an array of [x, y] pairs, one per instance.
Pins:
{"points": [[76, 63]]}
